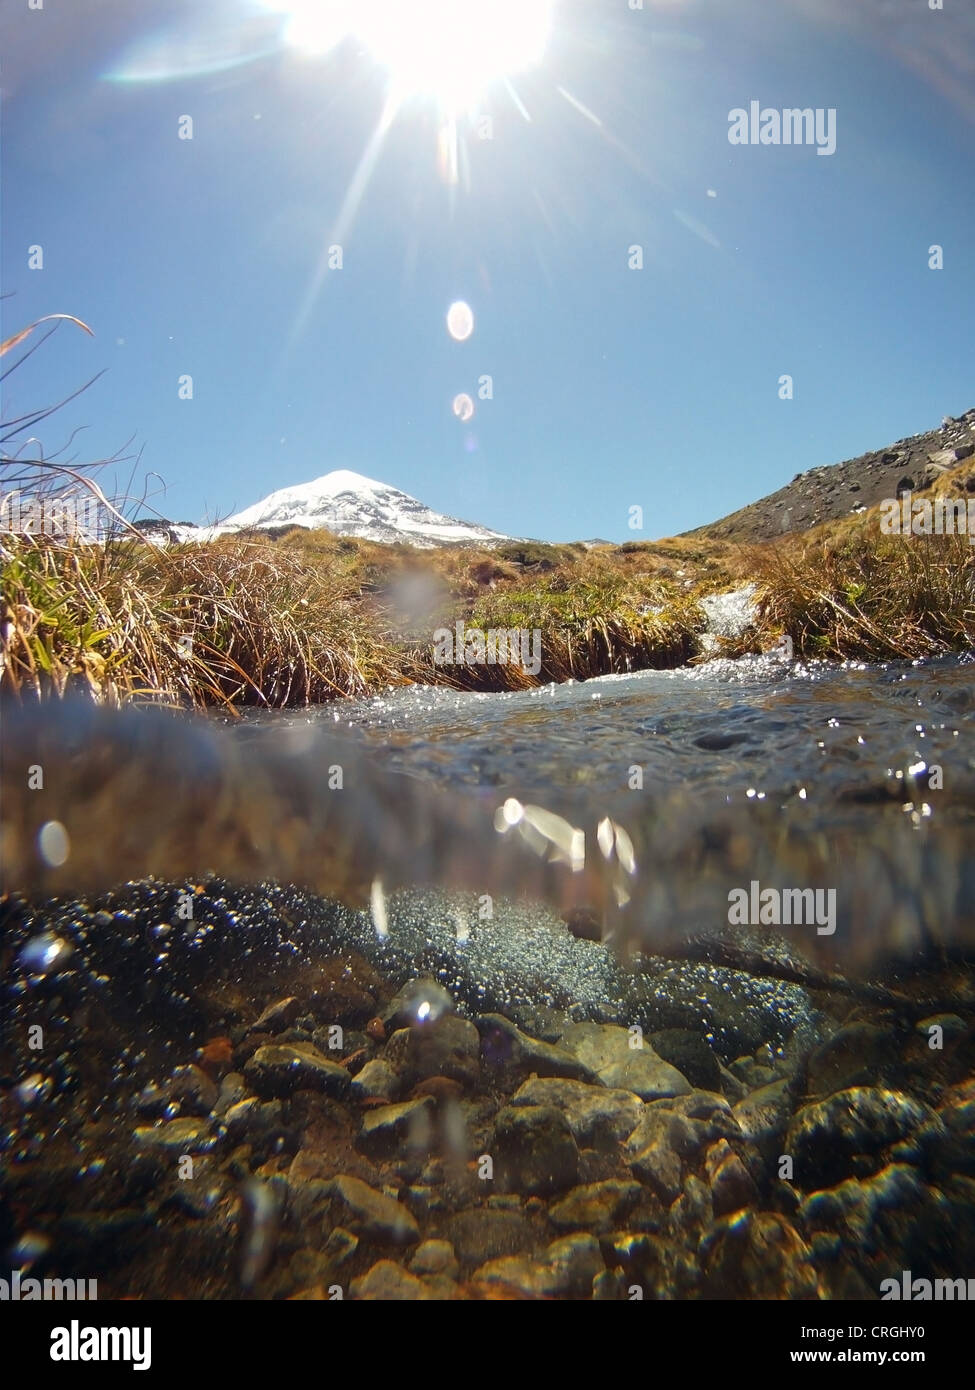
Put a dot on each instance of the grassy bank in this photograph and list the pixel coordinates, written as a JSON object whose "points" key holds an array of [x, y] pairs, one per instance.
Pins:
{"points": [[846, 590], [309, 617]]}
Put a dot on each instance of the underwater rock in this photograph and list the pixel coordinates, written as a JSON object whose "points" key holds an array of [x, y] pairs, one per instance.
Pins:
{"points": [[736, 1011], [685, 1124], [732, 1186], [952, 1027], [566, 1269], [372, 1214], [596, 1207], [390, 1282], [575, 1261], [488, 1233], [251, 1120], [108, 1238], [534, 1150], [435, 1257], [407, 1126], [690, 1054], [859, 1054], [509, 1053], [826, 1137], [449, 1047], [894, 1221], [191, 1135], [422, 1002], [659, 1168], [376, 1079], [277, 1016], [763, 1116], [524, 1277], [956, 1112], [608, 1051], [194, 1091], [279, 1069], [597, 1116], [232, 1089], [757, 1255]]}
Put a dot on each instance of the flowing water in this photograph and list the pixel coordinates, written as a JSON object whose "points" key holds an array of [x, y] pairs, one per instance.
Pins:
{"points": [[448, 895]]}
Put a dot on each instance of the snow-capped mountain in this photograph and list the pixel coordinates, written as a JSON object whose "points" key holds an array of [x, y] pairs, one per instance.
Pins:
{"points": [[349, 504]]}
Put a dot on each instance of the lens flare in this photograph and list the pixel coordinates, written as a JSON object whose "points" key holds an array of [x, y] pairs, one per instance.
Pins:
{"points": [[450, 50], [460, 321]]}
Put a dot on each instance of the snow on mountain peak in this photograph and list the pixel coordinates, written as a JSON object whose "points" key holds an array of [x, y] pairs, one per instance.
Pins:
{"points": [[350, 504]]}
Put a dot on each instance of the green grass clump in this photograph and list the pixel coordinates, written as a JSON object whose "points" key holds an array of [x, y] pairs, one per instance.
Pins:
{"points": [[228, 623], [848, 591]]}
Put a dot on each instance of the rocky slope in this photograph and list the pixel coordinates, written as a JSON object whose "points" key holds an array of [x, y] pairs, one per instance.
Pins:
{"points": [[836, 490]]}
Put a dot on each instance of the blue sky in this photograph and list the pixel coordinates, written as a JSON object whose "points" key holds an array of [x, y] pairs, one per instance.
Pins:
{"points": [[612, 387]]}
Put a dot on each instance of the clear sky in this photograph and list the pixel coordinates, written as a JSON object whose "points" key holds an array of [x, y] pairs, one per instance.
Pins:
{"points": [[612, 386]]}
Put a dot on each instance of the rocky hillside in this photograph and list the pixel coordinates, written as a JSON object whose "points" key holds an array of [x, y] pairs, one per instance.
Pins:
{"points": [[836, 490]]}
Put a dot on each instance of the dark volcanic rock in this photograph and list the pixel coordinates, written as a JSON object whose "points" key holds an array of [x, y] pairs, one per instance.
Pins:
{"points": [[859, 1054], [372, 1214], [759, 1255], [485, 1233], [449, 1047], [690, 1054], [597, 1116], [858, 1124], [281, 1068], [510, 1053], [534, 1150]]}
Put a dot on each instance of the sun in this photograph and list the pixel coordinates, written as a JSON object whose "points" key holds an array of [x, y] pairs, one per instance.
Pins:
{"points": [[450, 51]]}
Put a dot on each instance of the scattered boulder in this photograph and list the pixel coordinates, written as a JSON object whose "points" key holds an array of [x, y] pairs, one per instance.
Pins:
{"points": [[435, 1257], [732, 1186], [194, 1091], [376, 1080], [488, 1233], [857, 1055], [763, 1116], [278, 1016]]}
